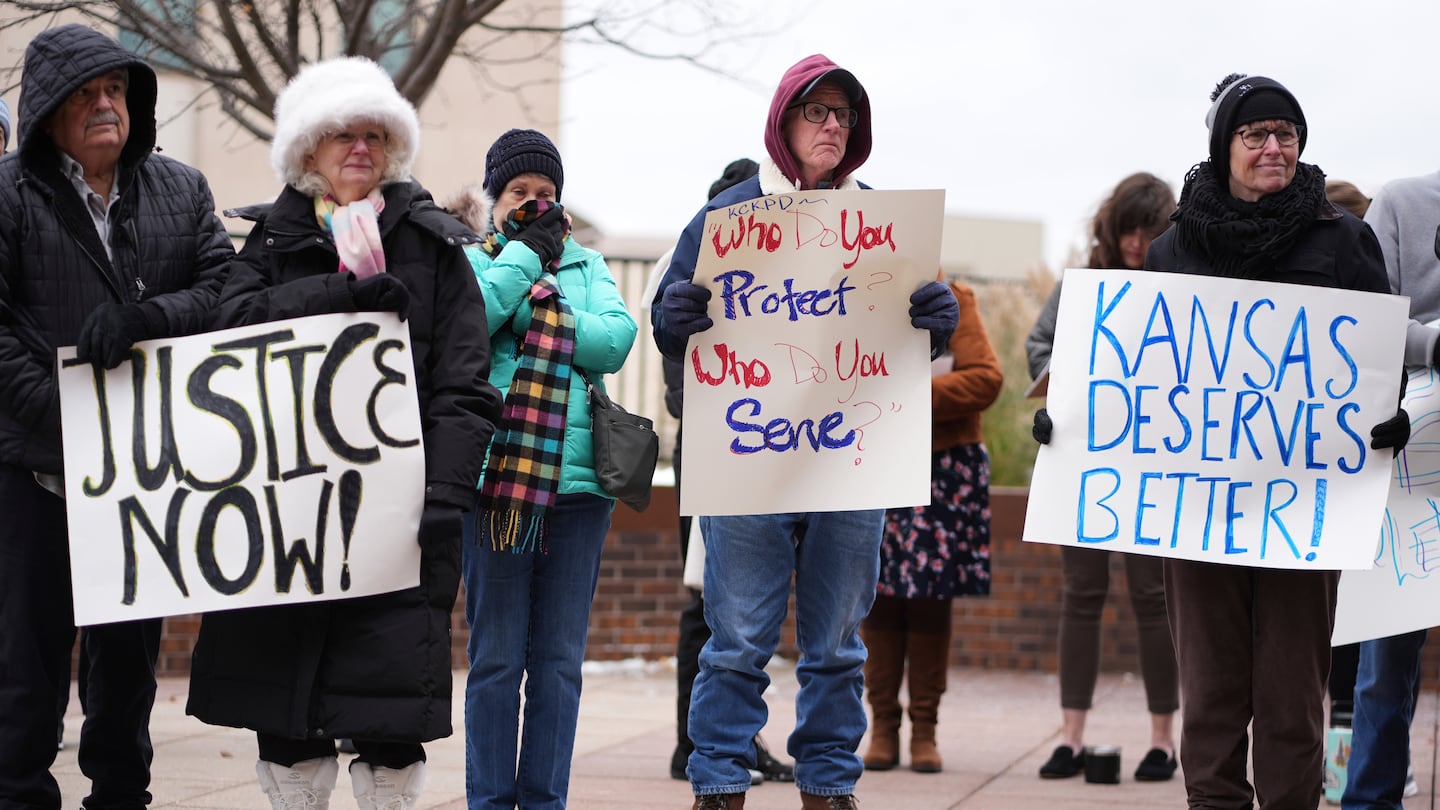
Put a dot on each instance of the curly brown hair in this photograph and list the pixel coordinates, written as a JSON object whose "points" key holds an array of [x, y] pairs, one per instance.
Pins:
{"points": [[1141, 200]]}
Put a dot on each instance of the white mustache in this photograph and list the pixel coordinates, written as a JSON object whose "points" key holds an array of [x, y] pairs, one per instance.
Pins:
{"points": [[106, 117]]}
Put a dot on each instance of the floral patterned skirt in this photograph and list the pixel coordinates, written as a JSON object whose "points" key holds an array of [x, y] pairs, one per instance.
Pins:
{"points": [[942, 550]]}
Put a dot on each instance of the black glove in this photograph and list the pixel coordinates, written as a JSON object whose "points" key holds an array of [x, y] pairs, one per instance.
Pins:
{"points": [[440, 523], [381, 292], [1043, 427], [111, 329], [933, 307], [545, 235], [1393, 433], [684, 305]]}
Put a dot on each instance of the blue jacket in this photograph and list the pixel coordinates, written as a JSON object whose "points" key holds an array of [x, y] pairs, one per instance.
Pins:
{"points": [[604, 333]]}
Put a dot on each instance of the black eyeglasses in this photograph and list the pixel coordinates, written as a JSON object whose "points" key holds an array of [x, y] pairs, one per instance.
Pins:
{"points": [[1256, 138], [816, 113]]}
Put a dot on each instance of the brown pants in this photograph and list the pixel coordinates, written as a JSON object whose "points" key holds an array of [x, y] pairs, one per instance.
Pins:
{"points": [[1087, 582], [1253, 646]]}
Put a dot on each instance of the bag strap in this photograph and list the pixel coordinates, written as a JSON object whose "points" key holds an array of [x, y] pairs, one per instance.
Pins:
{"points": [[596, 396]]}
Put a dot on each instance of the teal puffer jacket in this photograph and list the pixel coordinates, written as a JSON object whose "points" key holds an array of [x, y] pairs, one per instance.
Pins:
{"points": [[604, 333]]}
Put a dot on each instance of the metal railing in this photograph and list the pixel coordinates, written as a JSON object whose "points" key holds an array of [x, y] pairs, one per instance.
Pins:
{"points": [[639, 386]]}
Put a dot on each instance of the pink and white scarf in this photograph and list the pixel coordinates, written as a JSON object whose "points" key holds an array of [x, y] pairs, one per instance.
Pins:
{"points": [[356, 228]]}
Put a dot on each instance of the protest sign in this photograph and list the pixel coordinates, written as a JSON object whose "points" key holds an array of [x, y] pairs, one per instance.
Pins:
{"points": [[812, 390], [1217, 419], [1402, 592], [262, 465]]}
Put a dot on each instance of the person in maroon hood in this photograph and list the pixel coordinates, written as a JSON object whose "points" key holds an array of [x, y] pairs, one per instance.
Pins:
{"points": [[817, 135]]}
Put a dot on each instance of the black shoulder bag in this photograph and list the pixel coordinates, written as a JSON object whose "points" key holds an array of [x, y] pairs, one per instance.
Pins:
{"points": [[626, 448]]}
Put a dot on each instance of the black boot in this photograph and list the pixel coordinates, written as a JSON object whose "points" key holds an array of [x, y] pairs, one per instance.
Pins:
{"points": [[771, 768]]}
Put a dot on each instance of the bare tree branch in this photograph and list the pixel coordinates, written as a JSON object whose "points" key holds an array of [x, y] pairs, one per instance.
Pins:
{"points": [[247, 51]]}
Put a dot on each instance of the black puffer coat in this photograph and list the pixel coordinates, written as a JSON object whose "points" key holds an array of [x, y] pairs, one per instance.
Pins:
{"points": [[169, 247], [374, 668]]}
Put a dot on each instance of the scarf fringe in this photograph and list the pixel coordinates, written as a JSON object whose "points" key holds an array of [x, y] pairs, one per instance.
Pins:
{"points": [[515, 531]]}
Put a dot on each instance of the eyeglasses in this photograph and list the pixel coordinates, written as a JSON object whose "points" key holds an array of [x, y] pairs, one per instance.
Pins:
{"points": [[374, 141], [1256, 138], [816, 113]]}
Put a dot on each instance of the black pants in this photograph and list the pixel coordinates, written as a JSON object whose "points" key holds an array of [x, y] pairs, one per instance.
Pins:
{"points": [[37, 632], [693, 635], [694, 632]]}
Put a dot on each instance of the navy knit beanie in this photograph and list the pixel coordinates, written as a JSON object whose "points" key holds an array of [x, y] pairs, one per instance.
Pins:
{"points": [[1239, 100], [517, 152]]}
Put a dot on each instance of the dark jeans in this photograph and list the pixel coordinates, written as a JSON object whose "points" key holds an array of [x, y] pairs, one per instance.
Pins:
{"points": [[286, 751], [1385, 692], [1253, 646], [37, 633]]}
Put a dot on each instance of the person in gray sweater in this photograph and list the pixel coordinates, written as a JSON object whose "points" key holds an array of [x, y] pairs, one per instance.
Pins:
{"points": [[1406, 219]]}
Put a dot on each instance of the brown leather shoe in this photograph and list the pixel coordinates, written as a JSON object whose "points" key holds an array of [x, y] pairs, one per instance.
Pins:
{"points": [[719, 801], [809, 801]]}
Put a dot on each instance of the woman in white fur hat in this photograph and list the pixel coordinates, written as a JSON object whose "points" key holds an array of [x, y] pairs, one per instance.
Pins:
{"points": [[352, 231]]}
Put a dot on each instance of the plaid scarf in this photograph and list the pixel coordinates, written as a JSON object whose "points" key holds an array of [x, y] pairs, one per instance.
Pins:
{"points": [[522, 475], [515, 221]]}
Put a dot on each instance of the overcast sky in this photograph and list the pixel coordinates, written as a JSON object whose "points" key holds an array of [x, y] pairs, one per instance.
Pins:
{"points": [[1030, 109]]}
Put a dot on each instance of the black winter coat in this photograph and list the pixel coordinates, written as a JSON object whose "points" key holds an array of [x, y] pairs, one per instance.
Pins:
{"points": [[378, 667], [169, 247], [1337, 250]]}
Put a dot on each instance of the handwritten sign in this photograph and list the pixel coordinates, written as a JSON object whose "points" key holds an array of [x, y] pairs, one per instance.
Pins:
{"points": [[1402, 592], [262, 465], [1218, 419], [812, 390]]}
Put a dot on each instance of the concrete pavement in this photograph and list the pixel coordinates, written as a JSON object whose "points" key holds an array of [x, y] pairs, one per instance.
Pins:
{"points": [[996, 728]]}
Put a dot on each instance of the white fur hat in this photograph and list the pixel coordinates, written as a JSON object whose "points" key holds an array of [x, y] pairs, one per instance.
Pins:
{"points": [[331, 95]]}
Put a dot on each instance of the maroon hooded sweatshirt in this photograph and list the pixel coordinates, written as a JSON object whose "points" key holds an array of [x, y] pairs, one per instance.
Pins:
{"points": [[800, 79]]}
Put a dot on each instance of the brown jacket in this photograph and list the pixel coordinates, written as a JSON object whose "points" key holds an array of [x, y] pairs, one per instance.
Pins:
{"points": [[957, 398]]}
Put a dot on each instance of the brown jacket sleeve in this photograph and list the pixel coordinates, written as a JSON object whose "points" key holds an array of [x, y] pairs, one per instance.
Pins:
{"points": [[957, 398]]}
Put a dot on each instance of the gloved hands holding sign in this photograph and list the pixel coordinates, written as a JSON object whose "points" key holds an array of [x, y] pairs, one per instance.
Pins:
{"points": [[111, 329], [933, 307], [684, 304], [1395, 431], [1043, 427]]}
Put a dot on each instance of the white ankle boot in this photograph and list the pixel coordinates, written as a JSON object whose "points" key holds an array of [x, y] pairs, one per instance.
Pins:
{"points": [[304, 786], [379, 788]]}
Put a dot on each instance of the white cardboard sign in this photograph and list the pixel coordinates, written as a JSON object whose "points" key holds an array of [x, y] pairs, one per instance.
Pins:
{"points": [[1402, 592], [1218, 419], [261, 465], [812, 390]]}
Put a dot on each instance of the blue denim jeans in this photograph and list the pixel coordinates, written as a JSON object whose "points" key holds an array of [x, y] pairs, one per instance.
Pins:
{"points": [[835, 557], [1385, 689], [529, 616]]}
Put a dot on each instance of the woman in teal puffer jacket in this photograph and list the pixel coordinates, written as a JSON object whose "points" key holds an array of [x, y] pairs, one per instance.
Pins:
{"points": [[532, 551]]}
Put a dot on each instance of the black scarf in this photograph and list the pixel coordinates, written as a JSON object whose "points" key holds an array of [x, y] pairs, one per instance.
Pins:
{"points": [[1242, 239]]}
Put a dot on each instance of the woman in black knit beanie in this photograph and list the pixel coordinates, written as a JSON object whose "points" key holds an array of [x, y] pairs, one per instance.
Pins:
{"points": [[1253, 644]]}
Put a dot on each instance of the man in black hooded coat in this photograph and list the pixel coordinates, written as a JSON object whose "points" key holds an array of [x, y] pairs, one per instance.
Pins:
{"points": [[102, 243]]}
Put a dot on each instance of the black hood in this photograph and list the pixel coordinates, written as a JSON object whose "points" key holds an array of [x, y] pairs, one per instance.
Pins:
{"points": [[61, 60]]}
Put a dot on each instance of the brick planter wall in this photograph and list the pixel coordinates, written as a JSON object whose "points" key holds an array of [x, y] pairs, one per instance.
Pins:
{"points": [[639, 598]]}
